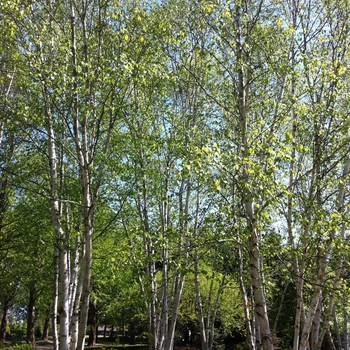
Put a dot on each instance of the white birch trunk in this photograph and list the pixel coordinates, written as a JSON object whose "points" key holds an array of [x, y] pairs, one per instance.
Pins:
{"points": [[76, 304], [154, 317], [177, 289], [316, 326], [340, 267], [248, 322], [259, 345], [297, 271], [56, 208], [63, 311], [86, 272], [254, 250], [337, 330], [179, 280], [164, 319], [255, 327], [81, 144], [55, 300], [298, 265], [74, 276], [199, 302], [208, 315], [331, 309], [164, 299], [304, 341], [258, 291], [260, 305], [175, 308], [56, 213]]}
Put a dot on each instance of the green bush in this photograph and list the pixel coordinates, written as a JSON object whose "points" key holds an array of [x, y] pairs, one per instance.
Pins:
{"points": [[22, 346], [17, 332]]}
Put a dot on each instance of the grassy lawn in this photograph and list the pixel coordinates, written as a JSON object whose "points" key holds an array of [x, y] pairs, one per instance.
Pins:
{"points": [[20, 344]]}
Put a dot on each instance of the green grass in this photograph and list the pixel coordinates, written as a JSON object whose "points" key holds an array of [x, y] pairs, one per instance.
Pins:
{"points": [[19, 343]]}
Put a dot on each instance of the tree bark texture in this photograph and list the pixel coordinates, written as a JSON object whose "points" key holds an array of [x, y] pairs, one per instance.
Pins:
{"points": [[46, 329], [30, 336], [55, 300], [4, 320], [247, 304]]}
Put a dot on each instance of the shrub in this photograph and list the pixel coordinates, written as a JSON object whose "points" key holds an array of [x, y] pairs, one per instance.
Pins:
{"points": [[22, 346]]}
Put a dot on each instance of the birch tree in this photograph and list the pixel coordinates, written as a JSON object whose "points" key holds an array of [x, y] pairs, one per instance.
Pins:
{"points": [[315, 195], [78, 98], [238, 55]]}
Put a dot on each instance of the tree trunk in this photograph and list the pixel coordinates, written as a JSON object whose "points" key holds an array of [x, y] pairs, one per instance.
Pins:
{"points": [[61, 252], [337, 331], [179, 280], [46, 328], [200, 311], [56, 215], [30, 336], [55, 300], [4, 320], [164, 301], [200, 307], [74, 273], [331, 343], [63, 310], [92, 341], [304, 341], [154, 321], [331, 311], [258, 290], [179, 284], [251, 219], [247, 305], [259, 345], [93, 321], [339, 270], [81, 138], [316, 327], [76, 304], [85, 295], [151, 280]]}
